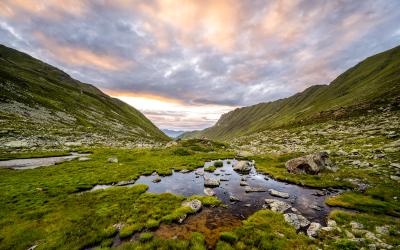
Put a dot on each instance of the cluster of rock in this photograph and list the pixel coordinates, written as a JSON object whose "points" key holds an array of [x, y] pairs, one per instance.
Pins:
{"points": [[294, 217]]}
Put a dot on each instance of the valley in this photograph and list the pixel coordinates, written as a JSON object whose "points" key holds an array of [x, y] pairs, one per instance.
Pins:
{"points": [[82, 170]]}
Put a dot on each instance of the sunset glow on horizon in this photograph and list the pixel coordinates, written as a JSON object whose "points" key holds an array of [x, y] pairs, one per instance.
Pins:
{"points": [[183, 63]]}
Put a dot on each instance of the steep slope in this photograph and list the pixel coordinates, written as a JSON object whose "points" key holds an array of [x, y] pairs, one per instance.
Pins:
{"points": [[41, 105], [376, 79]]}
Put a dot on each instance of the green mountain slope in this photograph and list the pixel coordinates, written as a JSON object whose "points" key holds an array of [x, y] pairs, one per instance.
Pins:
{"points": [[41, 105], [374, 80]]}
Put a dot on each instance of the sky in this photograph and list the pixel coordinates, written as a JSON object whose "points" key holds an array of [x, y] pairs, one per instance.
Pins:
{"points": [[184, 63]]}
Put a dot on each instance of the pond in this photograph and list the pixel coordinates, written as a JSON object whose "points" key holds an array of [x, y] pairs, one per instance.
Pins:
{"points": [[31, 163], [309, 202]]}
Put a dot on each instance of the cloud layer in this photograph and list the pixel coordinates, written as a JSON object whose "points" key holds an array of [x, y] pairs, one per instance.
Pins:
{"points": [[207, 56]]}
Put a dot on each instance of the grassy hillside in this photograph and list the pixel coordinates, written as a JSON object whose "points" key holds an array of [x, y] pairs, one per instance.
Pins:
{"points": [[41, 104], [374, 80]]}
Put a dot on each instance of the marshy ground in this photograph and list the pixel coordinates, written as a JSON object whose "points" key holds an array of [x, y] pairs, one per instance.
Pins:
{"points": [[52, 207]]}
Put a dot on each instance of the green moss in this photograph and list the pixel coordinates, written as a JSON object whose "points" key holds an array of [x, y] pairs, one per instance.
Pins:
{"points": [[129, 230], [218, 164], [144, 237], [197, 241], [228, 237], [363, 203], [207, 200], [210, 169], [151, 224], [345, 244], [263, 230]]}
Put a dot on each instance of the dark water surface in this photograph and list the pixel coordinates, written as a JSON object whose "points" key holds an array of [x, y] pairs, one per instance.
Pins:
{"points": [[212, 221]]}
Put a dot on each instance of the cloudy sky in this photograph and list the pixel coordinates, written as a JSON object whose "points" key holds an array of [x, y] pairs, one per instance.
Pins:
{"points": [[184, 63]]}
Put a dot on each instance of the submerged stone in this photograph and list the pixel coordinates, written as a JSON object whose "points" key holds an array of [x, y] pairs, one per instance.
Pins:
{"points": [[211, 182], [277, 205], [276, 193], [242, 166], [209, 192]]}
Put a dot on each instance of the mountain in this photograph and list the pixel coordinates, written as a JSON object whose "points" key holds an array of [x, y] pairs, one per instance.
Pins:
{"points": [[173, 133], [42, 106], [370, 82]]}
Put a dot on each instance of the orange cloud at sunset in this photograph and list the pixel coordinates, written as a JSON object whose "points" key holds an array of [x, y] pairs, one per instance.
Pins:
{"points": [[52, 9], [80, 56]]}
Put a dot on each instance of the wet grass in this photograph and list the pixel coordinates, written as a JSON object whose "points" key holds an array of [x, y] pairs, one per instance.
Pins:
{"points": [[7, 155], [274, 166], [369, 222], [43, 206], [263, 230]]}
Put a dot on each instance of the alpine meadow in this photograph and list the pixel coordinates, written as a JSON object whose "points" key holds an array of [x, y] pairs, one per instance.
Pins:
{"points": [[187, 124]]}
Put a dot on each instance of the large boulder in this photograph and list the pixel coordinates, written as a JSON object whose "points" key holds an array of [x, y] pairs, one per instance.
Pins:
{"points": [[310, 164], [242, 166]]}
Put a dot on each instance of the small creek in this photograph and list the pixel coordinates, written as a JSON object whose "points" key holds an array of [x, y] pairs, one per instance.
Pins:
{"points": [[309, 202], [31, 163]]}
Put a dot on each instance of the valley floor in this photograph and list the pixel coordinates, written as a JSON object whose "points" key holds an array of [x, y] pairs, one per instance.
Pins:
{"points": [[49, 208]]}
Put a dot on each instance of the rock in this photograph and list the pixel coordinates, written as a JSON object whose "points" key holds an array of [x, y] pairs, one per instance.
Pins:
{"points": [[124, 183], [244, 153], [223, 179], [193, 204], [211, 182], [383, 245], [395, 177], [73, 144], [349, 235], [156, 180], [313, 229], [243, 183], [247, 205], [277, 205], [332, 223], [253, 189], [379, 156], [113, 160], [276, 193], [171, 143], [341, 153], [184, 171], [297, 220], [242, 166], [395, 165], [199, 172], [84, 159], [384, 230], [209, 192], [310, 164], [315, 207], [372, 237], [16, 144], [319, 193], [356, 225], [233, 198], [182, 218]]}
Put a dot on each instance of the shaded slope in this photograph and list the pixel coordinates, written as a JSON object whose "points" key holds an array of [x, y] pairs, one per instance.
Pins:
{"points": [[376, 79], [38, 98]]}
